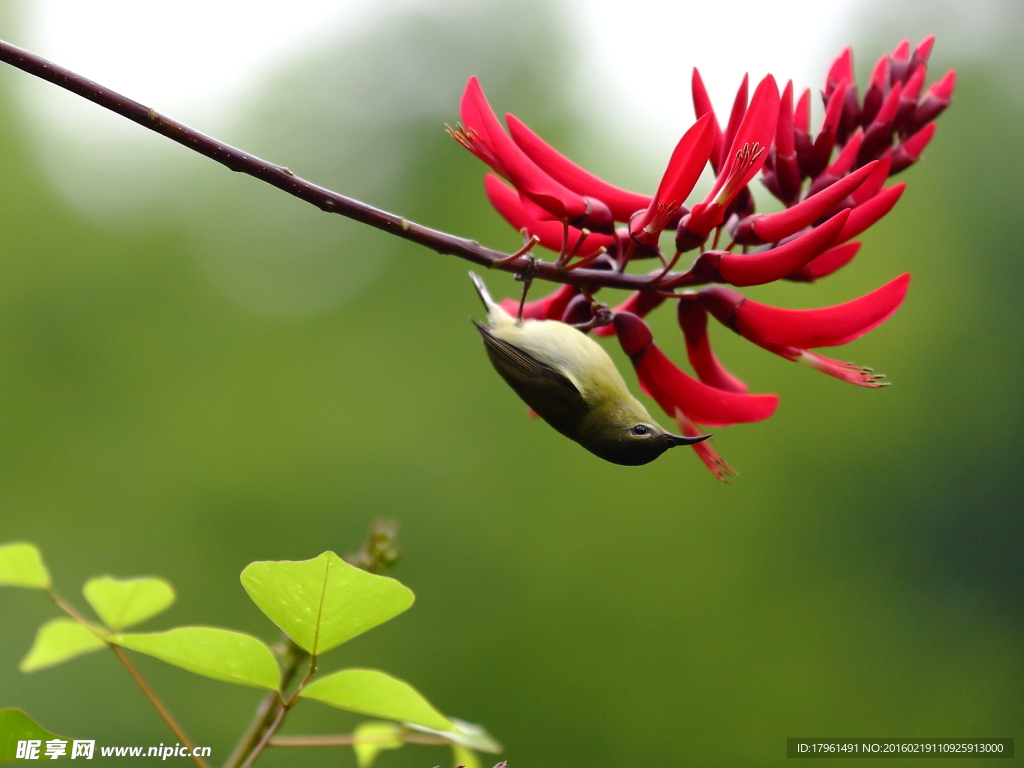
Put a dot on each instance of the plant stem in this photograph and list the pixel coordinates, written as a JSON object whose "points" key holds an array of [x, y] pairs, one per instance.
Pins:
{"points": [[324, 199], [282, 708], [160, 707], [266, 712], [347, 739]]}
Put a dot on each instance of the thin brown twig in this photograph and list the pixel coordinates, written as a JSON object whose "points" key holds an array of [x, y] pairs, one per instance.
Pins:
{"points": [[159, 705], [283, 178], [150, 694], [283, 706], [347, 739], [266, 712], [282, 710], [527, 247]]}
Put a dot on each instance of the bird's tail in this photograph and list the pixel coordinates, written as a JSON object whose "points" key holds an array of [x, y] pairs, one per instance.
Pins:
{"points": [[481, 289], [496, 316]]}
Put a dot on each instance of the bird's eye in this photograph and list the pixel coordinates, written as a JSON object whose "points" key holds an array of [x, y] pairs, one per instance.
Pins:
{"points": [[640, 429]]}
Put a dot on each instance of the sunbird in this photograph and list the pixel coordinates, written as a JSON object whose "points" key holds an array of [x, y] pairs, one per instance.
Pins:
{"points": [[570, 381]]}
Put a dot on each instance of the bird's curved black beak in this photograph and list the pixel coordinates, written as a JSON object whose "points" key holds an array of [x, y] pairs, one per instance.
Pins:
{"points": [[674, 440]]}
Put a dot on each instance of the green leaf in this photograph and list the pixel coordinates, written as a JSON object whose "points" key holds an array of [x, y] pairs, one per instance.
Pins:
{"points": [[57, 641], [323, 602], [374, 693], [21, 565], [374, 737], [222, 654], [121, 603], [16, 726], [469, 735], [465, 757]]}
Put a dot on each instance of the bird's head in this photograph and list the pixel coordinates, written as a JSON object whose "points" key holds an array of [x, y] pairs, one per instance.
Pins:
{"points": [[624, 433]]}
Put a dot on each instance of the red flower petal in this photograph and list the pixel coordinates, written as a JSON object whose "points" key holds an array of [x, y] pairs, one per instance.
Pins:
{"points": [[693, 319], [830, 261], [704, 451], [944, 88], [702, 106], [844, 161], [756, 128], [934, 102], [912, 90], [743, 269], [834, 109], [840, 72], [739, 108], [684, 168], [863, 216], [510, 161], [874, 183], [909, 152], [673, 389], [773, 227], [747, 154], [621, 202], [924, 49], [633, 333], [784, 129], [810, 328], [507, 202], [890, 106], [802, 112], [786, 166]]}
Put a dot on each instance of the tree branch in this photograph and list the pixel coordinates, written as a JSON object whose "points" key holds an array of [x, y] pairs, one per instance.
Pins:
{"points": [[348, 739], [324, 199]]}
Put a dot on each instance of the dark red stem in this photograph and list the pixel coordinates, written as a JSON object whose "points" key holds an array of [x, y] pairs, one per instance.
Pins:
{"points": [[285, 180]]}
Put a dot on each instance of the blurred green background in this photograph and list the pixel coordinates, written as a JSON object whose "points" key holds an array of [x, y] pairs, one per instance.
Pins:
{"points": [[236, 376]]}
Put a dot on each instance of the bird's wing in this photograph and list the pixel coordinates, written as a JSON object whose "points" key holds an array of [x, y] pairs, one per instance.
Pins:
{"points": [[551, 394]]}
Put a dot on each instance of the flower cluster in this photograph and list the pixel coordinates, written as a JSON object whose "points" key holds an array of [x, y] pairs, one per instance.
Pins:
{"points": [[831, 183]]}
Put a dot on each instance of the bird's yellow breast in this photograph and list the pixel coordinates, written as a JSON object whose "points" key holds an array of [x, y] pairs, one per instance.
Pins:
{"points": [[570, 352]]}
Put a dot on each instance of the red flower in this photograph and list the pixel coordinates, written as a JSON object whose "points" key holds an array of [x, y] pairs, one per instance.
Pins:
{"points": [[830, 261], [773, 227], [792, 332], [484, 136], [743, 269], [622, 203], [832, 184], [550, 233], [674, 390], [745, 157], [684, 168]]}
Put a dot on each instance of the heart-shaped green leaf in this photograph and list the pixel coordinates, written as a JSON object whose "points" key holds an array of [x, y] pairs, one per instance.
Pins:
{"points": [[323, 602], [222, 654], [122, 603], [16, 726], [21, 565], [374, 693], [57, 641], [372, 738]]}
